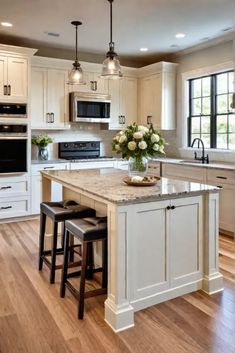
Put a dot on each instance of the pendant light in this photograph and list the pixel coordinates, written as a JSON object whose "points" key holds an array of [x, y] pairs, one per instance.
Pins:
{"points": [[111, 65], [76, 74]]}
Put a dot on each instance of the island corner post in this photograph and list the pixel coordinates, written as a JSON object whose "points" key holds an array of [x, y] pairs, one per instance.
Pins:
{"points": [[144, 246]]}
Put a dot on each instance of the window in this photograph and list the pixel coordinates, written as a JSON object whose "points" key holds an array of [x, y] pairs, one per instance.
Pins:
{"points": [[210, 116]]}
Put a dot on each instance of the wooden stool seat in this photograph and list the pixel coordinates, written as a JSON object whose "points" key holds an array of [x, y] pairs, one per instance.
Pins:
{"points": [[87, 230], [57, 212]]}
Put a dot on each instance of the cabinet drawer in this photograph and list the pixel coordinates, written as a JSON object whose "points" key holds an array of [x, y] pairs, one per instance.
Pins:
{"points": [[17, 187], [37, 168], [14, 207], [220, 177], [183, 172]]}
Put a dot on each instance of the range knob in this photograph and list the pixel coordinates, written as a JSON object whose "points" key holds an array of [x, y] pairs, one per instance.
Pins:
{"points": [[66, 145]]}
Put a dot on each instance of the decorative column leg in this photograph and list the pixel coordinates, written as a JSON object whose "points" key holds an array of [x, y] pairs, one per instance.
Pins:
{"points": [[212, 279], [119, 313]]}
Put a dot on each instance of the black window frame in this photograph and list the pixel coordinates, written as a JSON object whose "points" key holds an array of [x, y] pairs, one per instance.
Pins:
{"points": [[213, 110]]}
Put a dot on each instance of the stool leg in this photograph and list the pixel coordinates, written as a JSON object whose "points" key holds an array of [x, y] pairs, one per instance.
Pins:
{"points": [[41, 239], [104, 263], [82, 282], [65, 264], [71, 249], [53, 253], [62, 234], [90, 261]]}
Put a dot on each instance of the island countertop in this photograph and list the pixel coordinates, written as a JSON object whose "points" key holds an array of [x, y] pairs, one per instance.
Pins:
{"points": [[108, 184]]}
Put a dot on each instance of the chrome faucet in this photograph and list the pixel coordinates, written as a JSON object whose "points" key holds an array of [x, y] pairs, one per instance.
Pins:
{"points": [[203, 158]]}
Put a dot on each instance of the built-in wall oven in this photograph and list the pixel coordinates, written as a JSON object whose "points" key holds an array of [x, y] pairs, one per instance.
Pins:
{"points": [[13, 110], [13, 148]]}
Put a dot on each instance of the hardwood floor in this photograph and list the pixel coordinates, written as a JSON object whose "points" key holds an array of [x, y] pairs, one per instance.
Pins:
{"points": [[34, 319]]}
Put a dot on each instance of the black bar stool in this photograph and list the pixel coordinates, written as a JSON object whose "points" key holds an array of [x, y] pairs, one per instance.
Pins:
{"points": [[87, 230], [57, 212]]}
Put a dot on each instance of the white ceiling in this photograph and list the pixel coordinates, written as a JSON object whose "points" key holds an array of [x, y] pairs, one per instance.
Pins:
{"points": [[137, 23]]}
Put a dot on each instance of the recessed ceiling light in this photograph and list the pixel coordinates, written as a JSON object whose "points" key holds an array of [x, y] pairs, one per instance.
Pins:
{"points": [[180, 35], [174, 46], [143, 49], [6, 24], [226, 29]]}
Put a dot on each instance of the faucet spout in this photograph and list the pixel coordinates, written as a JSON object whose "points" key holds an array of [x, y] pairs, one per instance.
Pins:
{"points": [[203, 158]]}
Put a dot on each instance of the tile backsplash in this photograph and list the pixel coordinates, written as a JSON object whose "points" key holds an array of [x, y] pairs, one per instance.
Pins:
{"points": [[77, 132]]}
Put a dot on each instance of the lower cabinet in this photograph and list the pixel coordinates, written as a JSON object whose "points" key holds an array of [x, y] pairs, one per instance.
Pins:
{"points": [[36, 185], [14, 196], [175, 229]]}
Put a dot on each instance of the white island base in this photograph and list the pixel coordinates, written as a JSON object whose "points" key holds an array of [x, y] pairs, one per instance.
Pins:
{"points": [[162, 240]]}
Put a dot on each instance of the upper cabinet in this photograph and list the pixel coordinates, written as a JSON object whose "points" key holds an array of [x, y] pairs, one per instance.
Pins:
{"points": [[157, 95], [93, 83], [49, 98], [13, 78], [123, 94]]}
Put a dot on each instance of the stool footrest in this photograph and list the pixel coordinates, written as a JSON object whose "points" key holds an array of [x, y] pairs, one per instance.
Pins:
{"points": [[88, 294], [78, 273]]}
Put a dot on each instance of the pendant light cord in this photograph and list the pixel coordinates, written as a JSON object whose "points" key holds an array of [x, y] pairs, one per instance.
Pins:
{"points": [[111, 21], [76, 58]]}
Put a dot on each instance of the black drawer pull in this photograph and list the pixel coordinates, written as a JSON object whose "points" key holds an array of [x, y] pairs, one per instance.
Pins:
{"points": [[5, 187], [48, 168], [219, 186], [5, 208], [221, 177]]}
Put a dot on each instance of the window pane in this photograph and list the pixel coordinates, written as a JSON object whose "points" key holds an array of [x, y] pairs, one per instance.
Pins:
{"points": [[222, 141], [206, 109], [222, 124], [197, 88], [222, 83], [230, 99], [222, 104], [196, 108], [206, 140], [205, 125], [195, 125], [232, 123], [232, 141], [206, 86], [195, 136], [231, 82]]}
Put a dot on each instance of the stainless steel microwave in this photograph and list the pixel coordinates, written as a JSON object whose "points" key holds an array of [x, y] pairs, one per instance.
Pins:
{"points": [[89, 107]]}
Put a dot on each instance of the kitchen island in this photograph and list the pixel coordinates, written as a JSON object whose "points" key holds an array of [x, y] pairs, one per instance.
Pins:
{"points": [[162, 240]]}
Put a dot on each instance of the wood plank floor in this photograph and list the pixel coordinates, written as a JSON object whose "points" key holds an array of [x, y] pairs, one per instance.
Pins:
{"points": [[34, 319]]}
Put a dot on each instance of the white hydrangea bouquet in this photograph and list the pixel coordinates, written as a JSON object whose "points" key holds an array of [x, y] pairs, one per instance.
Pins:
{"points": [[137, 143]]}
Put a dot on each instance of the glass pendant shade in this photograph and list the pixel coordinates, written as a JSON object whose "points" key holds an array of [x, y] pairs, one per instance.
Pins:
{"points": [[111, 68], [76, 76]]}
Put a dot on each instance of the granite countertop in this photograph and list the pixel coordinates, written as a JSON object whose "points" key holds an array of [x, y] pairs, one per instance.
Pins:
{"points": [[193, 163], [108, 185]]}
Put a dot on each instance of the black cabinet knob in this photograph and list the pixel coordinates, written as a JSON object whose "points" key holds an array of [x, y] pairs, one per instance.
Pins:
{"points": [[168, 207], [172, 207]]}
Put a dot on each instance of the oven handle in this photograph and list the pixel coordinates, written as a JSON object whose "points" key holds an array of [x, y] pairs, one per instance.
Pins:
{"points": [[13, 137]]}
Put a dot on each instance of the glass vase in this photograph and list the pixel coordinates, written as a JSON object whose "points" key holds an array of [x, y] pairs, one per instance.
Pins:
{"points": [[42, 153], [137, 166]]}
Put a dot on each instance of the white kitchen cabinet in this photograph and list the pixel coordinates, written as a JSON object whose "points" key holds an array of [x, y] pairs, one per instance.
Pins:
{"points": [[13, 78], [49, 98], [123, 94], [226, 181], [14, 196], [36, 185], [174, 230], [157, 94]]}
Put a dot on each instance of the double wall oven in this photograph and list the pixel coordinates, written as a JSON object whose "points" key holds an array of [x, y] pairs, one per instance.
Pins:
{"points": [[13, 139]]}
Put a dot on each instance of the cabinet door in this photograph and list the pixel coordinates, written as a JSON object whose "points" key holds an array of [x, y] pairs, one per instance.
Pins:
{"points": [[38, 97], [102, 84], [185, 240], [115, 119], [3, 75], [227, 209], [149, 99], [18, 77], [57, 97], [128, 100]]}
